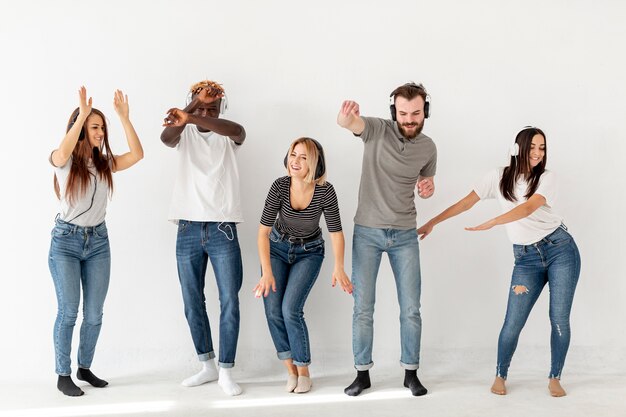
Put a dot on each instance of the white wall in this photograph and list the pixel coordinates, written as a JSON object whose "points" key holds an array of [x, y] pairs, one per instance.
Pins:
{"points": [[491, 67]]}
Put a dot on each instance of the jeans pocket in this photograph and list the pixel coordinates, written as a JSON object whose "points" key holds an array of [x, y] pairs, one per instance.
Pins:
{"points": [[60, 231], [275, 236], [560, 239], [518, 252], [182, 226], [315, 246]]}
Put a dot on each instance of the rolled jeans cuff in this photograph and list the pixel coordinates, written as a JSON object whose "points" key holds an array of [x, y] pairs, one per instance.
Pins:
{"points": [[364, 367], [206, 356], [410, 367]]}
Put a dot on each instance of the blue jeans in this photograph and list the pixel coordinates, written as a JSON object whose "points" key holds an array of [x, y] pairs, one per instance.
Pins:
{"points": [[296, 267], [78, 256], [553, 260], [196, 243], [402, 248]]}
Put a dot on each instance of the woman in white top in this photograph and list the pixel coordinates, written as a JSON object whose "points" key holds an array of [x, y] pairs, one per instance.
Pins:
{"points": [[79, 252], [544, 251]]}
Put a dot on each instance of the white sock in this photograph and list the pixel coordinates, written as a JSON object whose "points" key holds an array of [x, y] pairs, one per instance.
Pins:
{"points": [[207, 374], [225, 381]]}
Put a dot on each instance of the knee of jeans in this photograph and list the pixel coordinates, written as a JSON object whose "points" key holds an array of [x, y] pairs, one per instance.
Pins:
{"points": [[92, 317], [291, 313], [68, 313], [410, 312]]}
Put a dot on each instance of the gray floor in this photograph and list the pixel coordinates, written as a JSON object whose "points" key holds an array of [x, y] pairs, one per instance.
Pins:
{"points": [[160, 395]]}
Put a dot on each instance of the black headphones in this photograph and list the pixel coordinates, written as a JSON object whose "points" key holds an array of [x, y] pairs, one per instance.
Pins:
{"points": [[392, 100], [321, 162], [81, 135]]}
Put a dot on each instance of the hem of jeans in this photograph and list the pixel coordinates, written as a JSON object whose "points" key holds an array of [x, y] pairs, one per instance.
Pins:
{"points": [[364, 367], [301, 364], [410, 367], [62, 374], [226, 365], [552, 376], [501, 375], [203, 357], [283, 356]]}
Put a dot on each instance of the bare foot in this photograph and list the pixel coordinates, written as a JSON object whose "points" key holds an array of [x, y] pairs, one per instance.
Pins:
{"points": [[556, 390], [498, 386]]}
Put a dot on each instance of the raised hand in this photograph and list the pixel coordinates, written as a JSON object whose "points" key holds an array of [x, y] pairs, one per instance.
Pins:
{"points": [[348, 113], [120, 103], [84, 105], [175, 118], [205, 96]]}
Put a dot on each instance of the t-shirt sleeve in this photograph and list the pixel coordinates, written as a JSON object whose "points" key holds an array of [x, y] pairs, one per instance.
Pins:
{"points": [[430, 169], [331, 210], [488, 187], [272, 205], [548, 187], [374, 127]]}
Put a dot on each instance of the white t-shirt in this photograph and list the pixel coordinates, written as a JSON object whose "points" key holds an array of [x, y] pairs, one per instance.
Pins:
{"points": [[539, 224], [207, 185], [90, 208]]}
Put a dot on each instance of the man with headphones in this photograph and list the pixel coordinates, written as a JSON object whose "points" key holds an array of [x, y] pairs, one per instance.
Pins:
{"points": [[397, 159], [206, 205]]}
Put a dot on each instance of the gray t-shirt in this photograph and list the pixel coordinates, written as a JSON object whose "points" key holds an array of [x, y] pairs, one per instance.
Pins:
{"points": [[90, 207], [391, 167]]}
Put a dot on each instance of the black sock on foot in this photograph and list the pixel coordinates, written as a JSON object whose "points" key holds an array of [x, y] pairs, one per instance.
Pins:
{"points": [[68, 387], [412, 382], [361, 382], [86, 375]]}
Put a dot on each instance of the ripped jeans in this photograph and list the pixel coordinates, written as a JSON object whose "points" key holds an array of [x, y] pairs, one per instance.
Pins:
{"points": [[553, 260]]}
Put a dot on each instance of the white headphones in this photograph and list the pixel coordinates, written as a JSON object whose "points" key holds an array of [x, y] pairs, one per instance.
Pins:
{"points": [[223, 102], [514, 149]]}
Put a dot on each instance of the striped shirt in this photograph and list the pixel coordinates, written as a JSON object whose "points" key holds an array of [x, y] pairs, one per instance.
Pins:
{"points": [[301, 223]]}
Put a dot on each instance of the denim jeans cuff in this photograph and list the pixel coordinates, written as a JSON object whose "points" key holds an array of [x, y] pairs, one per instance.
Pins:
{"points": [[226, 365], [297, 363], [283, 356], [364, 367], [410, 367], [203, 357]]}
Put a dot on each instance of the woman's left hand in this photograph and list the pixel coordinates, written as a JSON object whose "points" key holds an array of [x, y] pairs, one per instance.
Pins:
{"points": [[344, 281], [485, 226], [120, 103]]}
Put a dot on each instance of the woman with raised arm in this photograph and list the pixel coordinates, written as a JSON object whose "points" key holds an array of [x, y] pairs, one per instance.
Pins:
{"points": [[79, 252], [545, 253]]}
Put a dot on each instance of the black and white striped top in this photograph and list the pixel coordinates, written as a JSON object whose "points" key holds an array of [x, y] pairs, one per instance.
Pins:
{"points": [[301, 223]]}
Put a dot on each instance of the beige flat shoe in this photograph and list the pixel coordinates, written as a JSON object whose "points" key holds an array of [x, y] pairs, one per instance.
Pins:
{"points": [[292, 383], [304, 385]]}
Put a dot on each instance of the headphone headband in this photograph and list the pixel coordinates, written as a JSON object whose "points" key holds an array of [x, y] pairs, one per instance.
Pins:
{"points": [[425, 96]]}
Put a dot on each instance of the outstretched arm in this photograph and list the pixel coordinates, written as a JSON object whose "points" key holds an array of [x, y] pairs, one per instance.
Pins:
{"points": [[459, 207], [338, 242], [349, 117], [60, 156], [127, 160], [523, 210]]}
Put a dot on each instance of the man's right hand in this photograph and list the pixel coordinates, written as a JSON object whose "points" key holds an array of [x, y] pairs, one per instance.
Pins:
{"points": [[175, 118], [205, 96], [348, 114]]}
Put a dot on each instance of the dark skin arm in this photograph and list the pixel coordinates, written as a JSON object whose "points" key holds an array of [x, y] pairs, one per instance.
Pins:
{"points": [[203, 111]]}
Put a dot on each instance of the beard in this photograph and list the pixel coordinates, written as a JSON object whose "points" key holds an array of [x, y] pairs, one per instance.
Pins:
{"points": [[405, 126]]}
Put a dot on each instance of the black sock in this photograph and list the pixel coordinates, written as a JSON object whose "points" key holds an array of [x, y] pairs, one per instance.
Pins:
{"points": [[86, 375], [361, 382], [68, 387], [412, 382]]}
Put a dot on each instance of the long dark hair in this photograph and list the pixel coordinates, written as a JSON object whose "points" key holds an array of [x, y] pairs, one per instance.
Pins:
{"points": [[519, 167], [79, 177]]}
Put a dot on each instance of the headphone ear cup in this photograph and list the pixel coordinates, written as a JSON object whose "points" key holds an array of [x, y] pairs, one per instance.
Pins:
{"points": [[392, 109], [514, 150], [426, 109]]}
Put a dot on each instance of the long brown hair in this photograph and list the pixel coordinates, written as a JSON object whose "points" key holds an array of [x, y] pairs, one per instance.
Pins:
{"points": [[519, 167], [78, 180]]}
